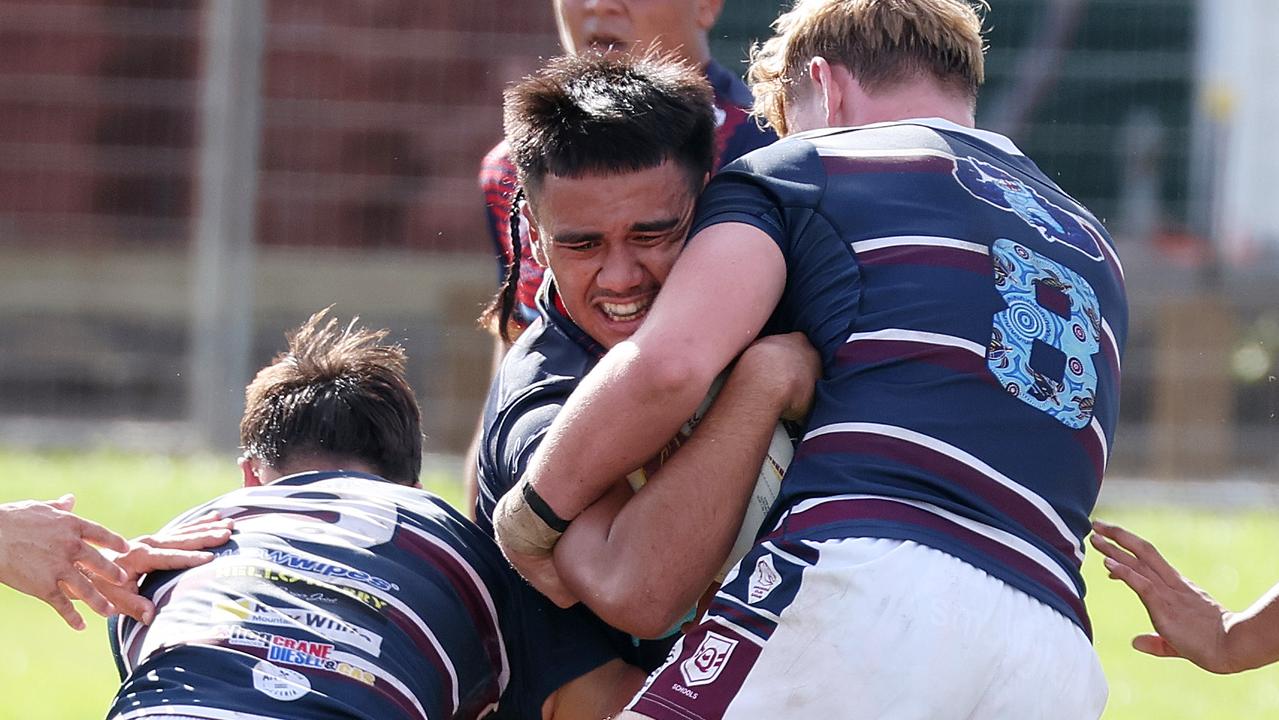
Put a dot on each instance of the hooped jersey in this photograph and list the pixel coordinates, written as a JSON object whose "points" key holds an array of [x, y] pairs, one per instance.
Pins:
{"points": [[535, 379], [341, 595], [736, 133], [971, 317]]}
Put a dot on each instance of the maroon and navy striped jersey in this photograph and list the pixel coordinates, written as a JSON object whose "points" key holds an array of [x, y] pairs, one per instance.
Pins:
{"points": [[736, 134], [971, 317], [342, 595]]}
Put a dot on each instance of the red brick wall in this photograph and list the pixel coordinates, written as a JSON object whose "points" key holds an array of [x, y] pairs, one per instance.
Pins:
{"points": [[376, 114]]}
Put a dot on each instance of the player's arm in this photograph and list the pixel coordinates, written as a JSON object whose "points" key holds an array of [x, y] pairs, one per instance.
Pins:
{"points": [[717, 297], [1188, 622], [641, 560]]}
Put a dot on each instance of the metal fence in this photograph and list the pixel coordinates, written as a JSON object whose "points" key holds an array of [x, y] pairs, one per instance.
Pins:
{"points": [[366, 122]]}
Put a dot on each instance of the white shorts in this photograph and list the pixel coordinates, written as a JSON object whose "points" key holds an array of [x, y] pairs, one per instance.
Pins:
{"points": [[874, 628]]}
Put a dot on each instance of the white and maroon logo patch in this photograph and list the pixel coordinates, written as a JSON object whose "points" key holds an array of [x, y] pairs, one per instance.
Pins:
{"points": [[763, 579], [708, 661]]}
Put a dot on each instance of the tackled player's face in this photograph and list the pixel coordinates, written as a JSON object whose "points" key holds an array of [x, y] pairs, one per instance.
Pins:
{"points": [[678, 26], [610, 241]]}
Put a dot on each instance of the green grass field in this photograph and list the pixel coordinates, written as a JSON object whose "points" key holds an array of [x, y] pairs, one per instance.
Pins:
{"points": [[52, 672]]}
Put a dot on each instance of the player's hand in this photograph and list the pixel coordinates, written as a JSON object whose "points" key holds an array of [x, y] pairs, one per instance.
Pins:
{"points": [[48, 552], [787, 363], [176, 549], [540, 572], [1188, 622]]}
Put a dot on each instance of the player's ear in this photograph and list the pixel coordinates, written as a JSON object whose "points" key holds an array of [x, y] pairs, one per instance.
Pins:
{"points": [[708, 12], [534, 235], [828, 88], [250, 471]]}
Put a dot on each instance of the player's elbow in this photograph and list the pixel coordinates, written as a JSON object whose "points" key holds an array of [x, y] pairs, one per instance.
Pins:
{"points": [[630, 606], [671, 374]]}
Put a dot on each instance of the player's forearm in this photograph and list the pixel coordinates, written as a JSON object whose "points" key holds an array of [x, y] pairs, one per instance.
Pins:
{"points": [[714, 302], [648, 566], [622, 414], [1252, 636]]}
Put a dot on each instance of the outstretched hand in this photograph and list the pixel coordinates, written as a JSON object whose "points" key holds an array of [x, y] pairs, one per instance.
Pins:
{"points": [[1188, 622], [176, 549], [50, 553]]}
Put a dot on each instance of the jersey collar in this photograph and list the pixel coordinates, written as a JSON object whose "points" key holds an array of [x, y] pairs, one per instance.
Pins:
{"points": [[985, 136], [555, 314], [310, 476]]}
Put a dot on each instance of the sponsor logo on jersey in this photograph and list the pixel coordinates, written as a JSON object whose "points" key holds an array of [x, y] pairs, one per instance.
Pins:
{"points": [[292, 651], [277, 575], [320, 567], [708, 660], [763, 579], [279, 683], [242, 636], [328, 626]]}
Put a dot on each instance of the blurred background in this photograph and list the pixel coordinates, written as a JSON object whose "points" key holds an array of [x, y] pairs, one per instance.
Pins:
{"points": [[181, 180]]}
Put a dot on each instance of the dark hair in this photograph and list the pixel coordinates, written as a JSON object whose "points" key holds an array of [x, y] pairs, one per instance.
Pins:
{"points": [[605, 115], [337, 392], [496, 316]]}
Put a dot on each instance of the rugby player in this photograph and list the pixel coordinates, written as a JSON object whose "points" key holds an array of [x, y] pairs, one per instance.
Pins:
{"points": [[610, 197], [924, 559], [676, 27], [346, 590]]}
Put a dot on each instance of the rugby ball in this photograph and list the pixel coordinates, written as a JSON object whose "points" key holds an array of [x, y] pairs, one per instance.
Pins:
{"points": [[767, 485]]}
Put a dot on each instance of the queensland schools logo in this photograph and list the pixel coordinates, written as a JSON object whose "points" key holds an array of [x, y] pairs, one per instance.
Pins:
{"points": [[1008, 193], [763, 579], [708, 661]]}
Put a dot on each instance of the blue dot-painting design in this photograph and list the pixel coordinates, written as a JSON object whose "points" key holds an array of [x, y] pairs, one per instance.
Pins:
{"points": [[1050, 304]]}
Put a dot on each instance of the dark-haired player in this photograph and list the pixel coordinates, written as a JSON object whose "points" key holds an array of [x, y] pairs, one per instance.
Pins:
{"points": [[676, 27], [347, 591], [610, 197], [925, 556]]}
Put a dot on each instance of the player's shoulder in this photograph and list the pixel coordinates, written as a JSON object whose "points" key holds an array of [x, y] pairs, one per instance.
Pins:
{"points": [[790, 171], [543, 361]]}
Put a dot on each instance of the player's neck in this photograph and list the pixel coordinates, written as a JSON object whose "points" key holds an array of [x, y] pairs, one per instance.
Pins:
{"points": [[922, 98], [906, 107]]}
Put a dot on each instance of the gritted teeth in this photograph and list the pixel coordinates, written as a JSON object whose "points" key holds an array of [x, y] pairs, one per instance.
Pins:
{"points": [[626, 311]]}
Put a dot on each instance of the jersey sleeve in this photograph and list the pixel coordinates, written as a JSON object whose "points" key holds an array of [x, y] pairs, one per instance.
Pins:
{"points": [[509, 443], [768, 189]]}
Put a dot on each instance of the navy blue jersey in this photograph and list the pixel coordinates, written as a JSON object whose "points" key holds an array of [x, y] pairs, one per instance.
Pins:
{"points": [[971, 317], [541, 370], [341, 595]]}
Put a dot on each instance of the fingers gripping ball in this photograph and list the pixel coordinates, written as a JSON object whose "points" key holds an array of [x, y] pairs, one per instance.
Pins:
{"points": [[781, 451]]}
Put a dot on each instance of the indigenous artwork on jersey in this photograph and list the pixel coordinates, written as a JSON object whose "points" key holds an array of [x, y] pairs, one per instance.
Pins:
{"points": [[1006, 192], [1042, 344]]}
